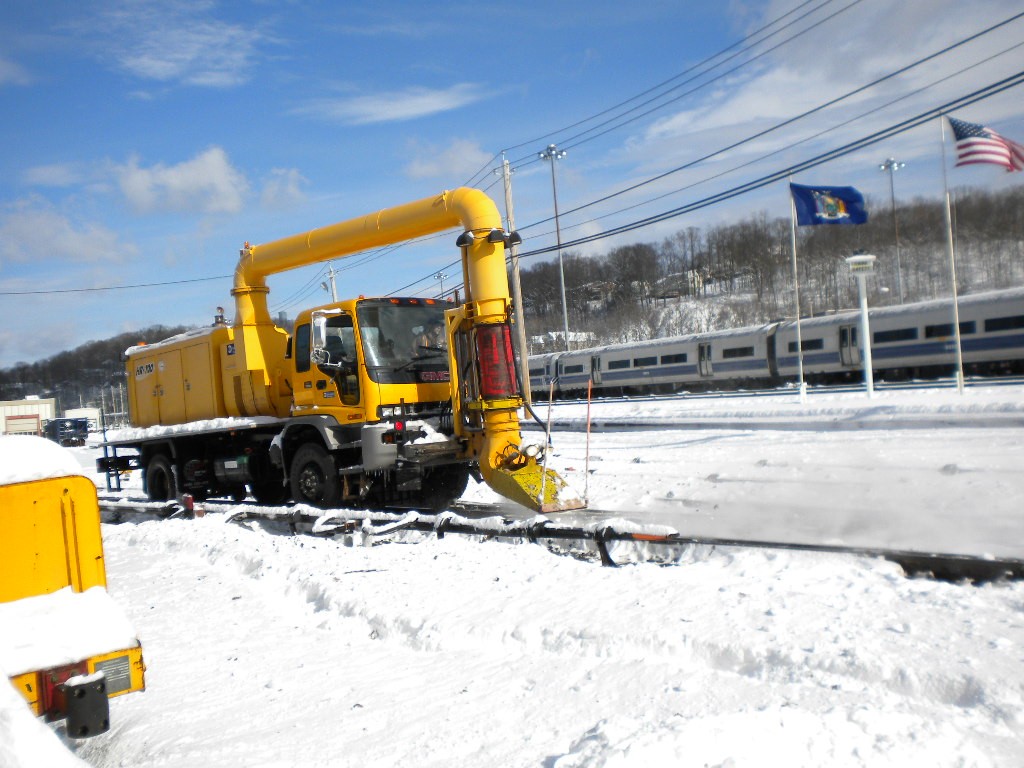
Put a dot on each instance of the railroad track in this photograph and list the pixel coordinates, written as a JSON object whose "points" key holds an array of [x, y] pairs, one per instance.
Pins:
{"points": [[491, 521]]}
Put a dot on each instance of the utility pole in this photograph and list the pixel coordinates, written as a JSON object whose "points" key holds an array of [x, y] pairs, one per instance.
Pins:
{"points": [[892, 165], [553, 153], [517, 288], [333, 287]]}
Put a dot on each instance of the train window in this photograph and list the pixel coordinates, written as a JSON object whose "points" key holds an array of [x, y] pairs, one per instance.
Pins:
{"points": [[617, 364], [946, 329], [807, 344], [669, 359], [643, 362], [573, 368], [536, 371], [737, 352], [899, 334], [1004, 323]]}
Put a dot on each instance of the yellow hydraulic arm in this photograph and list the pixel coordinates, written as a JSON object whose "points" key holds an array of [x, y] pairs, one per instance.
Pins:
{"points": [[485, 396]]}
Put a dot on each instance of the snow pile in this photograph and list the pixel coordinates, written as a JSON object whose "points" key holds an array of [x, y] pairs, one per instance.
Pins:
{"points": [[26, 458], [26, 742], [292, 651], [61, 628]]}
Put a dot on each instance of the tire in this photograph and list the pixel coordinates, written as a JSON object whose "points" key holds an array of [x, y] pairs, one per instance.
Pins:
{"points": [[271, 493], [314, 477], [161, 484], [443, 485]]}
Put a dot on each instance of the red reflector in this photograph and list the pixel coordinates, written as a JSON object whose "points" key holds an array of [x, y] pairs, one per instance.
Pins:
{"points": [[399, 425], [496, 361]]}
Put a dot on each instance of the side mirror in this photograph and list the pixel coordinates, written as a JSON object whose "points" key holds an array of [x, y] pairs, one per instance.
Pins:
{"points": [[319, 331]]}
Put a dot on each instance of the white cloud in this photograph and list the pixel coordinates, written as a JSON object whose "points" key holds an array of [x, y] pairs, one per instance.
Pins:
{"points": [[170, 42], [32, 231], [407, 104], [12, 73], [205, 184], [283, 189], [54, 175], [460, 160]]}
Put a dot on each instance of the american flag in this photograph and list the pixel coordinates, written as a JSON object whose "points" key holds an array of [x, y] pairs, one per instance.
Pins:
{"points": [[978, 144]]}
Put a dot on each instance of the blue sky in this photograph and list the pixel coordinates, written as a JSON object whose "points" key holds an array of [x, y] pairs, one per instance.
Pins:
{"points": [[144, 142]]}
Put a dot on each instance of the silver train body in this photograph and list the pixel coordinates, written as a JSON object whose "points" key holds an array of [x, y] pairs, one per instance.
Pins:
{"points": [[907, 341]]}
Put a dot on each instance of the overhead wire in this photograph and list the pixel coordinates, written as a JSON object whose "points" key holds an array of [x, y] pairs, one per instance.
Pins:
{"points": [[791, 120], [893, 130], [747, 39], [780, 150]]}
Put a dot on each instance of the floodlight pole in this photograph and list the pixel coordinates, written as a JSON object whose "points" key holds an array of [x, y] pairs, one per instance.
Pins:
{"points": [[553, 153], [892, 165], [862, 265]]}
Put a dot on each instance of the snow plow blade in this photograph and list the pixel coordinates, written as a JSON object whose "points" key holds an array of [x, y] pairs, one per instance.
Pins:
{"points": [[534, 487]]}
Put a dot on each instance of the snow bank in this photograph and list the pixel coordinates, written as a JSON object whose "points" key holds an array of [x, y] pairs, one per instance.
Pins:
{"points": [[294, 651], [26, 742], [61, 628], [25, 458]]}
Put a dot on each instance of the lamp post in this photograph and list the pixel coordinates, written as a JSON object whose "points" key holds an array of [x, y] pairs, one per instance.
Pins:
{"points": [[440, 276], [553, 153], [892, 165], [861, 265]]}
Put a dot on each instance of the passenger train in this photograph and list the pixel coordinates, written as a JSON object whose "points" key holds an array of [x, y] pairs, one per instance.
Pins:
{"points": [[907, 341]]}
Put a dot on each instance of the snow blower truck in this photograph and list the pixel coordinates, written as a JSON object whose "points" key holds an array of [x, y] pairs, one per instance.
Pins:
{"points": [[361, 404]]}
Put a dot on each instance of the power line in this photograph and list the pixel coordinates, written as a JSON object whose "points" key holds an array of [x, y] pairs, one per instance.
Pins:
{"points": [[113, 287], [791, 120], [786, 148], [584, 138], [893, 130]]}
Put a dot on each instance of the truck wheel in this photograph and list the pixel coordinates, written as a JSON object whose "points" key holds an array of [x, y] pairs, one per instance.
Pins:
{"points": [[272, 492], [314, 478], [160, 482], [444, 485]]}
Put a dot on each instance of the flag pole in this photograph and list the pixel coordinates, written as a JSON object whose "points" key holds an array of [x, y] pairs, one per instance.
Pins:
{"points": [[796, 296], [952, 265]]}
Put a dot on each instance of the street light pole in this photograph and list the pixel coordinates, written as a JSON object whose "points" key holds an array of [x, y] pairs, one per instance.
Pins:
{"points": [[440, 276], [862, 265], [892, 165], [553, 153]]}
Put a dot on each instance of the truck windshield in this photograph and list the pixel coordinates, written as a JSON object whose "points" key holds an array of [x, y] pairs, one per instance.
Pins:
{"points": [[403, 341]]}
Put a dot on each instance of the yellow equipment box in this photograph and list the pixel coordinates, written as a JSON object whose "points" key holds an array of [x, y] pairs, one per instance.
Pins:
{"points": [[64, 643]]}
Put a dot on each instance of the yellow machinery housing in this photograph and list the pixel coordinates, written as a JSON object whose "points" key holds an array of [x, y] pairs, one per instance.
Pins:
{"points": [[52, 582]]}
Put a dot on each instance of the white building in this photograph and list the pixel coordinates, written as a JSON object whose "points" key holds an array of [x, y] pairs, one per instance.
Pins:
{"points": [[26, 417]]}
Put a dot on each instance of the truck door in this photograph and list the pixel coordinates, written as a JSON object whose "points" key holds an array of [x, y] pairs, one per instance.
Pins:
{"points": [[704, 359], [849, 352]]}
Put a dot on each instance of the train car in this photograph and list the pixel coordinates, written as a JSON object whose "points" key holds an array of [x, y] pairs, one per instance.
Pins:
{"points": [[910, 340], [667, 365], [906, 341], [65, 645], [542, 373]]}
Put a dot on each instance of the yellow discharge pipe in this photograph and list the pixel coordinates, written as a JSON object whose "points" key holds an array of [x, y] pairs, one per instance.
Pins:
{"points": [[469, 207]]}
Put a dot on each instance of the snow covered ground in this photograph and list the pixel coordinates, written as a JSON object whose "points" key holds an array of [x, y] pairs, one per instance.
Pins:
{"points": [[265, 649]]}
